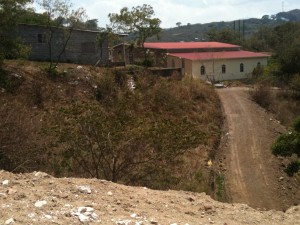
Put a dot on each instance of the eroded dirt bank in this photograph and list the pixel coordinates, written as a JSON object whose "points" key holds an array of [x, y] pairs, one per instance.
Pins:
{"points": [[38, 198]]}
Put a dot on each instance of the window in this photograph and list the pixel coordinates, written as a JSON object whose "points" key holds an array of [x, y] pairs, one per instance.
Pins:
{"points": [[258, 64], [223, 68], [88, 47], [42, 38], [202, 70], [242, 67]]}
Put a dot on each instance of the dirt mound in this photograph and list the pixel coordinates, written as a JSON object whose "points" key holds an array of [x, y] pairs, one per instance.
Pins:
{"points": [[38, 198]]}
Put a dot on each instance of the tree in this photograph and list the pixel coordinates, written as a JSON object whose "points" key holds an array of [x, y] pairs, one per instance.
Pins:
{"points": [[139, 21], [31, 17], [9, 14], [260, 40], [287, 47], [224, 35], [178, 24], [60, 19], [108, 139], [91, 24], [106, 34]]}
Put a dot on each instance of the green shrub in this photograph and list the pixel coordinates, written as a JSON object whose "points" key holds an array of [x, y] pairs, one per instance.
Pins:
{"points": [[293, 168], [296, 125], [287, 144], [10, 82]]}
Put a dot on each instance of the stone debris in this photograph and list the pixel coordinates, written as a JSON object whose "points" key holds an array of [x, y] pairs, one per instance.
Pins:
{"points": [[40, 204], [123, 222], [85, 214], [154, 222], [5, 182], [48, 217], [37, 198], [41, 174], [84, 189], [9, 221]]}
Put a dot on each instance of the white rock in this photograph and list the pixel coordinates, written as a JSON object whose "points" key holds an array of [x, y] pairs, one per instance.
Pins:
{"points": [[139, 222], [40, 203], [48, 217], [5, 182], [133, 215], [83, 218], [123, 222], [31, 215], [85, 214], [9, 221], [41, 174], [94, 216], [109, 193], [84, 189]]}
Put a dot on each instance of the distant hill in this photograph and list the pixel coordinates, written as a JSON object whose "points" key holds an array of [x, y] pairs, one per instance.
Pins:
{"points": [[196, 32]]}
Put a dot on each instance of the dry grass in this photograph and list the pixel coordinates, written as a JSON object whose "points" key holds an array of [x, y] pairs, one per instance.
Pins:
{"points": [[40, 103], [283, 103]]}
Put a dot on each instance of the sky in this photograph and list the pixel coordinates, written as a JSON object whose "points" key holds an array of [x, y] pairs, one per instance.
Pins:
{"points": [[189, 11]]}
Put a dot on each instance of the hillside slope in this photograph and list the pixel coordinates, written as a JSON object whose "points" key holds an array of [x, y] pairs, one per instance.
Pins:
{"points": [[37, 198], [87, 122], [196, 32]]}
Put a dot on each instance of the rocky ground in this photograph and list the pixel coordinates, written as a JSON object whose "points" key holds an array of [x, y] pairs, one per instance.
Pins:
{"points": [[38, 198]]}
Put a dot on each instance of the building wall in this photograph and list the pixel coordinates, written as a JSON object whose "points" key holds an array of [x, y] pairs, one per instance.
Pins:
{"points": [[82, 47], [213, 68], [174, 62]]}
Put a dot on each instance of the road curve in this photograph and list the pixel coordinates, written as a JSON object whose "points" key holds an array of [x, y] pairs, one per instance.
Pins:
{"points": [[252, 171]]}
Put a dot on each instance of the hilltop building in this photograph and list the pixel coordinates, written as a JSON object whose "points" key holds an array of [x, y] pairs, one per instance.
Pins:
{"points": [[212, 61]]}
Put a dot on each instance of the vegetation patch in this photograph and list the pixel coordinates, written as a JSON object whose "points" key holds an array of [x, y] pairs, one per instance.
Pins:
{"points": [[288, 145], [92, 123]]}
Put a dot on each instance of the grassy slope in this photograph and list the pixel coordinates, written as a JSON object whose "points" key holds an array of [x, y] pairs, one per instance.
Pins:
{"points": [[56, 125]]}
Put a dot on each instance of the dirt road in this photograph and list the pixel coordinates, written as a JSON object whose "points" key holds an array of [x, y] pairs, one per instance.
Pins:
{"points": [[253, 175]]}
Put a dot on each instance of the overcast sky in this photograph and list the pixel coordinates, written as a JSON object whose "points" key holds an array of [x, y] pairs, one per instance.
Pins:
{"points": [[189, 11]]}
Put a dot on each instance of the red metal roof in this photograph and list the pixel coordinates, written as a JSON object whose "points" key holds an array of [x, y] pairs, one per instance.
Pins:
{"points": [[187, 45], [219, 55]]}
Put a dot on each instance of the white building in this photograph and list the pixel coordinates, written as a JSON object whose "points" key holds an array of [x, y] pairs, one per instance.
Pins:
{"points": [[209, 60]]}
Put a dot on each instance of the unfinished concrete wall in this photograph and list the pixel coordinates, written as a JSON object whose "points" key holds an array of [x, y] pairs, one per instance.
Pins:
{"points": [[82, 46]]}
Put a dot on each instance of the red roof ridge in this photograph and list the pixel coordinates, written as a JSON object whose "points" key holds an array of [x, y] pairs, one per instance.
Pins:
{"points": [[188, 45]]}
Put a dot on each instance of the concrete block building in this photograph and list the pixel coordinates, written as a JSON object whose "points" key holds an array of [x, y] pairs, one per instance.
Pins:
{"points": [[82, 46]]}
